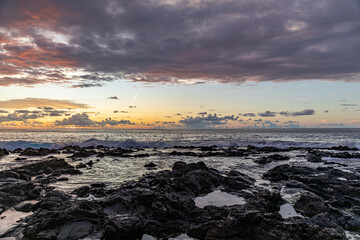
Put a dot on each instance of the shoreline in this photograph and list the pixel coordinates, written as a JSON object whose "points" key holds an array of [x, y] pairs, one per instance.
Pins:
{"points": [[300, 201]]}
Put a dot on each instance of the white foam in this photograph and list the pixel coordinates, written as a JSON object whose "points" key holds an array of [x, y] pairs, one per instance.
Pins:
{"points": [[352, 235], [218, 199], [89, 198], [288, 211], [11, 145], [342, 179]]}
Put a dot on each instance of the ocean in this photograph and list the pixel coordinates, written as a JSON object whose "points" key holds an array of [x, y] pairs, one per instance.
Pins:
{"points": [[280, 138], [157, 144]]}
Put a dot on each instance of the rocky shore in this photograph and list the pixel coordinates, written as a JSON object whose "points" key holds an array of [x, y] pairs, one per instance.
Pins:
{"points": [[299, 201]]}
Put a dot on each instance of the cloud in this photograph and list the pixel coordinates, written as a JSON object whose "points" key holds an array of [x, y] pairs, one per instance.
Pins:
{"points": [[83, 120], [41, 102], [298, 113], [113, 97], [111, 122], [349, 105], [267, 114], [78, 120], [305, 112], [209, 121], [286, 40], [11, 117], [202, 113], [270, 124], [285, 113], [132, 106], [248, 114], [87, 85], [3, 111]]}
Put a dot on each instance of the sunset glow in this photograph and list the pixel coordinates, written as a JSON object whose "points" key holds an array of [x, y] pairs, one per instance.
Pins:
{"points": [[176, 64]]}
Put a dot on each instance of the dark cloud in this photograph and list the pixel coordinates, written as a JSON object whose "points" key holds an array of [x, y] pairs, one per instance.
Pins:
{"points": [[11, 118], [349, 105], [202, 113], [179, 41], [56, 113], [267, 114], [305, 112], [298, 113], [285, 113], [111, 122], [132, 106], [248, 114], [83, 120], [79, 120], [270, 124], [3, 111], [87, 85], [209, 121], [113, 97]]}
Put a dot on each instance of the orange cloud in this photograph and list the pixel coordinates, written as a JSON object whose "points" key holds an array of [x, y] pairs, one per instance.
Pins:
{"points": [[42, 102]]}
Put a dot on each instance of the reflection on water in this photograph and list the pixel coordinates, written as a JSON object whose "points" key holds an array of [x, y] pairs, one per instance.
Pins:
{"points": [[218, 199], [9, 219]]}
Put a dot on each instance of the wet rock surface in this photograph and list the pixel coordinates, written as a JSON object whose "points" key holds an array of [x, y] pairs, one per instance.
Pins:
{"points": [[161, 204]]}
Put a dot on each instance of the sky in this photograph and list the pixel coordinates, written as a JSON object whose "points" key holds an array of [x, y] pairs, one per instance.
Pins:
{"points": [[179, 64]]}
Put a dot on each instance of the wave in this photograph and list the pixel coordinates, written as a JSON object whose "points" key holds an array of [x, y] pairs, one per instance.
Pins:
{"points": [[130, 143]]}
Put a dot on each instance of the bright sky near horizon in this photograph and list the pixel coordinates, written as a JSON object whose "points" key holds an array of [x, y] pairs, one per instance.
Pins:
{"points": [[179, 64]]}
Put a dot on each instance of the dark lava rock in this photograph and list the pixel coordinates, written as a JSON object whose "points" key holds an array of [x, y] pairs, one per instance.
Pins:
{"points": [[75, 230], [162, 204], [150, 165], [98, 185], [341, 154], [82, 191], [63, 179], [265, 149], [344, 148], [314, 158], [3, 152], [37, 152], [271, 158], [24, 207], [118, 152], [83, 153], [22, 187], [17, 150], [330, 191], [310, 204], [81, 165]]}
